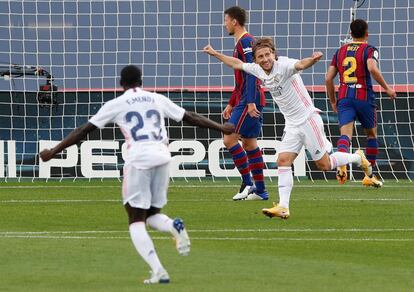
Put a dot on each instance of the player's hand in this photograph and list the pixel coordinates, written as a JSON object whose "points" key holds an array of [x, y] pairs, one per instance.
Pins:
{"points": [[227, 112], [209, 50], [252, 110], [316, 56], [228, 128], [47, 154], [333, 105], [391, 93]]}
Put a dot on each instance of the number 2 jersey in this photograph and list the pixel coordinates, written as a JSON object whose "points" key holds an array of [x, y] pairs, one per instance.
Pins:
{"points": [[355, 80], [140, 116]]}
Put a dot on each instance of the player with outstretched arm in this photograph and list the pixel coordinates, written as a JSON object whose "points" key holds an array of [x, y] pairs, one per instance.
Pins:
{"points": [[356, 62], [304, 126], [140, 116]]}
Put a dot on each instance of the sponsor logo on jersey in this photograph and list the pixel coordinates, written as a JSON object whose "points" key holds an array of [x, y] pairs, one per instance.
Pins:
{"points": [[247, 50]]}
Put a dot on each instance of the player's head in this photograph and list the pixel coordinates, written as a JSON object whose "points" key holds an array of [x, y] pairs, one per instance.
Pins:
{"points": [[234, 17], [131, 77], [264, 53], [359, 29]]}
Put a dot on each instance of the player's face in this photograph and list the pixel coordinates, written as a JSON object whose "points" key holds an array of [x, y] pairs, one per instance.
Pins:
{"points": [[265, 57], [229, 24]]}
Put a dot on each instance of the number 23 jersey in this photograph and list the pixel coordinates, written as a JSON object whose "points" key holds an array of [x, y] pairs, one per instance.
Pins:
{"points": [[140, 116]]}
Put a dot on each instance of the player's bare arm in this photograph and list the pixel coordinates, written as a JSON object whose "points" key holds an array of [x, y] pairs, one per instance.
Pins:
{"points": [[229, 61], [74, 137], [377, 75], [201, 121], [308, 62], [330, 87]]}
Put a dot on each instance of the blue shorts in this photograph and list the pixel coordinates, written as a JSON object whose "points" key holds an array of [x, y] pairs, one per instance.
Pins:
{"points": [[246, 126], [350, 110]]}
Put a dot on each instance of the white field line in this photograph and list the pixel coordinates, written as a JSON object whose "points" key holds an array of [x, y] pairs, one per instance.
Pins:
{"points": [[296, 230], [212, 185], [216, 238], [46, 201]]}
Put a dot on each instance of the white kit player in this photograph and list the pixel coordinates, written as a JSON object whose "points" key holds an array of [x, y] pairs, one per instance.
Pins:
{"points": [[304, 126], [140, 116]]}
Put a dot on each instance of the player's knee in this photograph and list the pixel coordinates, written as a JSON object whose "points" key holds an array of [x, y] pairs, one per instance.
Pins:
{"points": [[249, 144], [283, 161], [229, 141], [323, 164], [135, 214], [152, 211]]}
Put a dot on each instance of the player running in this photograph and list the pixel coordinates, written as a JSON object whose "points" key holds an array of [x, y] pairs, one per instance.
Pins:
{"points": [[304, 126], [140, 116], [244, 111], [356, 62]]}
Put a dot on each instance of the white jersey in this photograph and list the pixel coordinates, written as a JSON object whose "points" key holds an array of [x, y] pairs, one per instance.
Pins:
{"points": [[287, 89], [140, 116]]}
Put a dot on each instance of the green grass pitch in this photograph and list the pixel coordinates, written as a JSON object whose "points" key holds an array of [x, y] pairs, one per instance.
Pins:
{"points": [[73, 236]]}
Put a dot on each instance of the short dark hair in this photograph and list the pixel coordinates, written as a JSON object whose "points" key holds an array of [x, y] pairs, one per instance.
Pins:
{"points": [[237, 13], [264, 43], [359, 28], [131, 76]]}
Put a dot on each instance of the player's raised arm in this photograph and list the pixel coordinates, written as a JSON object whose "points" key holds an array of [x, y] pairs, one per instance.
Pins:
{"points": [[229, 61], [330, 87], [74, 137], [308, 62], [377, 75]]}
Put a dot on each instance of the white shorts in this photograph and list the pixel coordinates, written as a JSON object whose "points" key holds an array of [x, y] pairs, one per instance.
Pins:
{"points": [[311, 134], [143, 188]]}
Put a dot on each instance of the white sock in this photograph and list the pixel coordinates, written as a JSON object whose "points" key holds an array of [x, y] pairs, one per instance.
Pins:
{"points": [[160, 222], [285, 184], [143, 244], [342, 158]]}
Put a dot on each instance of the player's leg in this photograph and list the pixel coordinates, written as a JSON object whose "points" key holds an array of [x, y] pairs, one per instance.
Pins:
{"points": [[291, 145], [161, 222], [256, 166], [319, 146], [368, 118], [250, 129], [137, 199], [284, 184], [239, 155], [346, 119]]}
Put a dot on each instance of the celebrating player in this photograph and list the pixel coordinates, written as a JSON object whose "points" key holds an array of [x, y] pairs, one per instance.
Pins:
{"points": [[140, 116], [303, 126], [356, 62], [244, 111]]}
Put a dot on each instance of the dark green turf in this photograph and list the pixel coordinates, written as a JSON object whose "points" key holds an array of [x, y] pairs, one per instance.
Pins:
{"points": [[346, 238]]}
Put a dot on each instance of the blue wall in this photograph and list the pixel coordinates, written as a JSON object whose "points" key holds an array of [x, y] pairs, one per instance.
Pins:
{"points": [[84, 44]]}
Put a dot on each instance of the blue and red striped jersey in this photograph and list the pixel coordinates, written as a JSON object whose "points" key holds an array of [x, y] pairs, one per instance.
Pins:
{"points": [[247, 87], [351, 63]]}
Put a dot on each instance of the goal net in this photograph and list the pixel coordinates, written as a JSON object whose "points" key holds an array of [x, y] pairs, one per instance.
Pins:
{"points": [[60, 61]]}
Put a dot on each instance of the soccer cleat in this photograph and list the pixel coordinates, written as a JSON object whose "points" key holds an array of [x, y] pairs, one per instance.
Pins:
{"points": [[341, 174], [255, 196], [182, 241], [365, 165], [161, 277], [276, 211], [371, 182], [243, 193]]}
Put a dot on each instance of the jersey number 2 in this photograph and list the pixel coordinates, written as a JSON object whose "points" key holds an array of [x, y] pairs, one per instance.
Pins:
{"points": [[349, 61], [140, 124]]}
